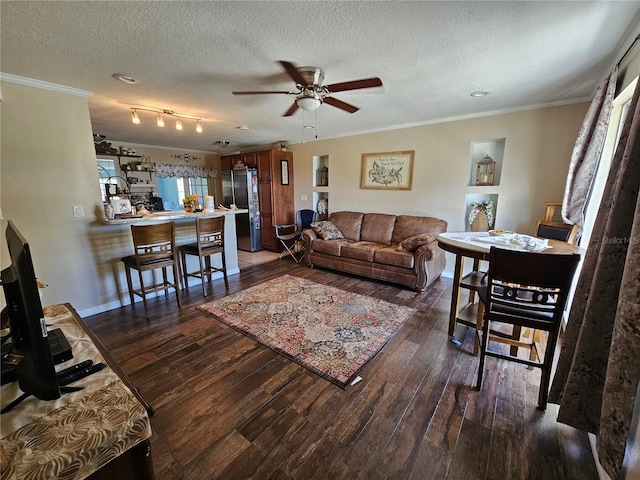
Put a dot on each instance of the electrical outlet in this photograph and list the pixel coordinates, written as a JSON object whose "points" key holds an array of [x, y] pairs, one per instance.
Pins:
{"points": [[78, 211], [303, 198]]}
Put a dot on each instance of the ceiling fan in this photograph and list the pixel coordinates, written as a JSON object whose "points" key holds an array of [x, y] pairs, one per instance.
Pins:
{"points": [[311, 93]]}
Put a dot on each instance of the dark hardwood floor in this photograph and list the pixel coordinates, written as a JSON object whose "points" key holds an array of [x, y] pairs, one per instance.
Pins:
{"points": [[229, 408]]}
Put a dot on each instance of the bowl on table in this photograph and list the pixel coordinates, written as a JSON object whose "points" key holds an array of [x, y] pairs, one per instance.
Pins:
{"points": [[499, 233]]}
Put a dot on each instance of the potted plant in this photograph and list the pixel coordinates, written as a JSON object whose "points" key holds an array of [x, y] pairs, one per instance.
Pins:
{"points": [[190, 202]]}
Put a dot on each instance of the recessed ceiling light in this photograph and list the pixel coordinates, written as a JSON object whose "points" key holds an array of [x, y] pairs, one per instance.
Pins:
{"points": [[479, 93], [126, 78]]}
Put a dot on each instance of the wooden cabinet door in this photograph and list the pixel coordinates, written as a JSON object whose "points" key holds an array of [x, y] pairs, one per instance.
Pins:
{"points": [[225, 163], [283, 210], [264, 166], [250, 159], [267, 233]]}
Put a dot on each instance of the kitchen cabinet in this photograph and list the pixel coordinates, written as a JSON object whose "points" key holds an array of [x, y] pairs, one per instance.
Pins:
{"points": [[250, 159], [275, 196]]}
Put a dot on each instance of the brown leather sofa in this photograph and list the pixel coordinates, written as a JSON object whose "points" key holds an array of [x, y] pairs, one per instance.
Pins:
{"points": [[370, 247]]}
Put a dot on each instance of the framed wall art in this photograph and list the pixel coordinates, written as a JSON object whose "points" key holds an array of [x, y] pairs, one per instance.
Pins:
{"points": [[387, 170], [284, 172]]}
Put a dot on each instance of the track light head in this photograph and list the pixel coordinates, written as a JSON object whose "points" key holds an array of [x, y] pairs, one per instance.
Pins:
{"points": [[160, 117]]}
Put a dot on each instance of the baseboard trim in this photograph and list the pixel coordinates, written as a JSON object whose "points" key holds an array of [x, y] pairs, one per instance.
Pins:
{"points": [[105, 307]]}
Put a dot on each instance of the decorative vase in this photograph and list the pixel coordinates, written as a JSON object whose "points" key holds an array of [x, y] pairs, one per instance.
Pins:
{"points": [[480, 223]]}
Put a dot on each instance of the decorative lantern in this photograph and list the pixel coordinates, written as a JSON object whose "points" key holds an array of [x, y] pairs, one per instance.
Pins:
{"points": [[322, 176], [486, 170]]}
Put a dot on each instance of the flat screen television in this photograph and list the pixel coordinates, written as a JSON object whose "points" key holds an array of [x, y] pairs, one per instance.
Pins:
{"points": [[35, 371]]}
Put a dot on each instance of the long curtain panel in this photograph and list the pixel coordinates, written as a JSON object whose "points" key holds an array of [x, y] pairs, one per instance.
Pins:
{"points": [[598, 370], [587, 151]]}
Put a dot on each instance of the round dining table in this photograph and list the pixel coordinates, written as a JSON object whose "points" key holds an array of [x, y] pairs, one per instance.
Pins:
{"points": [[476, 246]]}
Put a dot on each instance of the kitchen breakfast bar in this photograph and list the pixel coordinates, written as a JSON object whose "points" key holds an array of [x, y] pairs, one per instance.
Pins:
{"points": [[112, 240]]}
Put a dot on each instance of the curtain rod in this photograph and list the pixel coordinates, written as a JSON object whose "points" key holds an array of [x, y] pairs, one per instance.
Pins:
{"points": [[628, 50]]}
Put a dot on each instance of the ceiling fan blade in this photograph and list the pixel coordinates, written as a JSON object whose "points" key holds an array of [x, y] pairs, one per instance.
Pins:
{"points": [[262, 92], [291, 111], [293, 72], [340, 104], [354, 85]]}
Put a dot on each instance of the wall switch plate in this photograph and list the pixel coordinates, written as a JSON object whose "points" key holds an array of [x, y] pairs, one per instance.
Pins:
{"points": [[303, 198], [78, 211]]}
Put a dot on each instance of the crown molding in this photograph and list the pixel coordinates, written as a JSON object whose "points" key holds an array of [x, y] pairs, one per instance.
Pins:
{"points": [[457, 118], [54, 87]]}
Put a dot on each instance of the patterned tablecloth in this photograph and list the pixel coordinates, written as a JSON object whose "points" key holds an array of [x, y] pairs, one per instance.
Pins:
{"points": [[75, 435]]}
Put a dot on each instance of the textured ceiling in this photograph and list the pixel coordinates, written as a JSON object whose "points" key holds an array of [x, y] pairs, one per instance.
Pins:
{"points": [[190, 56]]}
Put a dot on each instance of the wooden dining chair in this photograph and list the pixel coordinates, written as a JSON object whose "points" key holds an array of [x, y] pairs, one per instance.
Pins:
{"points": [[556, 231], [154, 248], [525, 289], [552, 230], [209, 242]]}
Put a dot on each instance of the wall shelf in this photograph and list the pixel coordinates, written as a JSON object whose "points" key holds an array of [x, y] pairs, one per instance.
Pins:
{"points": [[494, 148], [320, 182], [476, 192]]}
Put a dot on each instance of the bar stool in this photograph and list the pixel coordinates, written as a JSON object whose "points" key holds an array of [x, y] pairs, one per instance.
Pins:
{"points": [[154, 247], [209, 241]]}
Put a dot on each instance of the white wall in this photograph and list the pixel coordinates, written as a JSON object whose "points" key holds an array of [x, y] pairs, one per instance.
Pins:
{"points": [[536, 160], [48, 164]]}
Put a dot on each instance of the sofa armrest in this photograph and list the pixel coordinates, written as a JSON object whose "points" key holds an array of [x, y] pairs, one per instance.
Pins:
{"points": [[308, 236], [424, 252], [429, 264]]}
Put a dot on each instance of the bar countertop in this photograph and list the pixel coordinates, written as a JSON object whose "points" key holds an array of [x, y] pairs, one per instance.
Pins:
{"points": [[170, 215]]}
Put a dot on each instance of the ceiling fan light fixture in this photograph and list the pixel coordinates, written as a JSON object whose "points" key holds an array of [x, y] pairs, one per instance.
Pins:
{"points": [[178, 124], [134, 117], [160, 120], [199, 126], [309, 103]]}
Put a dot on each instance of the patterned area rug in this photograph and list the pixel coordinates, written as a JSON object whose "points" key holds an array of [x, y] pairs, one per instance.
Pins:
{"points": [[329, 331]]}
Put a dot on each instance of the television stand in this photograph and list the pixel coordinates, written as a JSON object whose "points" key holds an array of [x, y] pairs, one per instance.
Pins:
{"points": [[113, 449]]}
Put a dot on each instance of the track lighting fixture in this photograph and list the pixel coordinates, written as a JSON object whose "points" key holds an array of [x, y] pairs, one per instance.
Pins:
{"points": [[160, 117]]}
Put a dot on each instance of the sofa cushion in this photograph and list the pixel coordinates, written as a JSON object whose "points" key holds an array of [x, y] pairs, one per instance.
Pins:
{"points": [[361, 250], [408, 226], [391, 256], [411, 244], [349, 223], [326, 230], [330, 247], [377, 227]]}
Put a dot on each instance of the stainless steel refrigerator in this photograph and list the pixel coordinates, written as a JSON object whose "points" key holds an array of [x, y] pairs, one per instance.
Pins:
{"points": [[240, 187]]}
